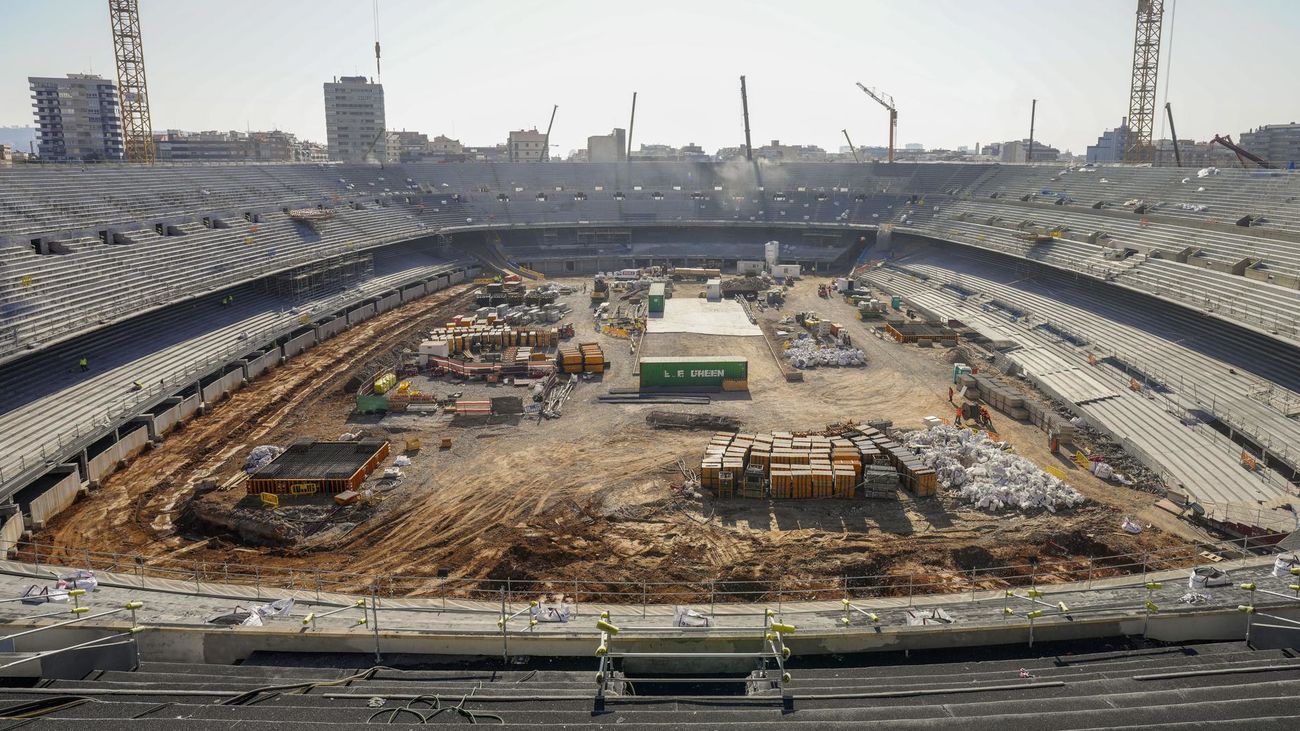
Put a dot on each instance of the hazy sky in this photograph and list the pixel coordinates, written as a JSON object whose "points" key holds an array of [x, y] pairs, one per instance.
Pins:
{"points": [[961, 71]]}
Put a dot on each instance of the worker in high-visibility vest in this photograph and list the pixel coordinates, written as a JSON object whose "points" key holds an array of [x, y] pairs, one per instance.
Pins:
{"points": [[84, 363]]}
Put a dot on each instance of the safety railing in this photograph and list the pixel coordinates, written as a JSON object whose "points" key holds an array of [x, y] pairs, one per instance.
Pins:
{"points": [[1057, 565], [80, 614]]}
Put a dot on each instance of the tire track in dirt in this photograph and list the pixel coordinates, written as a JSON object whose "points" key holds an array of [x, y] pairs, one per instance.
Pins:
{"points": [[120, 515]]}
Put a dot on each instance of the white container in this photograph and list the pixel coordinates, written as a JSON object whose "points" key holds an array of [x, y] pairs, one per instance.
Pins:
{"points": [[713, 290], [435, 347]]}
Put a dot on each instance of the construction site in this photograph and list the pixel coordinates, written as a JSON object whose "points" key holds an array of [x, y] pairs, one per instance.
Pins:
{"points": [[639, 426]]}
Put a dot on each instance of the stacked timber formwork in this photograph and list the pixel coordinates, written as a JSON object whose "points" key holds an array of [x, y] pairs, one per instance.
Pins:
{"points": [[585, 358], [842, 462]]}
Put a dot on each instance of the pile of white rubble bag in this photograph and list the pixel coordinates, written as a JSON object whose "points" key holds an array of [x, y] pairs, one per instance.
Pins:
{"points": [[805, 352], [986, 475]]}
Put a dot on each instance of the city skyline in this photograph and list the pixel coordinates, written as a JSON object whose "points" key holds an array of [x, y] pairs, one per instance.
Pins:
{"points": [[974, 87]]}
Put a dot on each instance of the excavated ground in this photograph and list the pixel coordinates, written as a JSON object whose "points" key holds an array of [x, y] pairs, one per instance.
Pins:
{"points": [[591, 495]]}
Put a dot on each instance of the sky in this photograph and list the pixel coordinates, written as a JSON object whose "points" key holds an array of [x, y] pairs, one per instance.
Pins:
{"points": [[960, 71]]}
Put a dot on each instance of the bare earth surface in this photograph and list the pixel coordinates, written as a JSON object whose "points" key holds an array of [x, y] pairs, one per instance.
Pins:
{"points": [[589, 495]]}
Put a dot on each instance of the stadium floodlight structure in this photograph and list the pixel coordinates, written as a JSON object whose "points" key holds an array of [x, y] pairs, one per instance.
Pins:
{"points": [[887, 102], [1138, 148], [133, 92]]}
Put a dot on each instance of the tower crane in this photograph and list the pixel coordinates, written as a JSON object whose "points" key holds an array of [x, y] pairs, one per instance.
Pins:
{"points": [[1138, 147], [887, 102], [132, 90]]}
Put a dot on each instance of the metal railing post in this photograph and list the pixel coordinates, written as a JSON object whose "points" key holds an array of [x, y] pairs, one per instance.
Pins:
{"points": [[374, 625]]}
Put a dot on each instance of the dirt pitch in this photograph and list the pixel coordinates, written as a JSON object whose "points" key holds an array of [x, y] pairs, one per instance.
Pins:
{"points": [[589, 496]]}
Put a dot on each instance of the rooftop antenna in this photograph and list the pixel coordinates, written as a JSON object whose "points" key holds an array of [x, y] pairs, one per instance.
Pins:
{"points": [[630, 125], [379, 75], [744, 105]]}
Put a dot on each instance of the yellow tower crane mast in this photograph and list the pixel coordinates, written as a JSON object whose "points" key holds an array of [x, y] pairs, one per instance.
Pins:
{"points": [[133, 92], [887, 102]]}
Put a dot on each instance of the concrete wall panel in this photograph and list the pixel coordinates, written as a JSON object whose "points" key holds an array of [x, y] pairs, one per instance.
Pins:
{"points": [[413, 292], [331, 328], [102, 464], [165, 421], [54, 500], [390, 302], [133, 443], [10, 532], [299, 344], [364, 312], [186, 408], [262, 363]]}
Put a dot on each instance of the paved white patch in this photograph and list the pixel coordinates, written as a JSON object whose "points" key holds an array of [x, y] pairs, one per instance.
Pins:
{"points": [[699, 316]]}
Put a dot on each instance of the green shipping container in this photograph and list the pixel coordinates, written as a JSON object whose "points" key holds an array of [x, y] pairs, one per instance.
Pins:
{"points": [[692, 371], [657, 297]]}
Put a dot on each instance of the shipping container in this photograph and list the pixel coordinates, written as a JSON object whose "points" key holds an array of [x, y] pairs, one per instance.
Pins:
{"points": [[693, 371], [656, 300]]}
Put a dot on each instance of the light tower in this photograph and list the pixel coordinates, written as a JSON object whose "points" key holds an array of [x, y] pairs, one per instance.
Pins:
{"points": [[1142, 91], [137, 130]]}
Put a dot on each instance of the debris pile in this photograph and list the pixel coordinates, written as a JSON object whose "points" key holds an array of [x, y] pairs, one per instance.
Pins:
{"points": [[807, 353], [260, 457], [986, 475]]}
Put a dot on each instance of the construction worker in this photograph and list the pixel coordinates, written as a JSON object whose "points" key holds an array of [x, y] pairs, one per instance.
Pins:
{"points": [[957, 421], [84, 363], [950, 394], [137, 386]]}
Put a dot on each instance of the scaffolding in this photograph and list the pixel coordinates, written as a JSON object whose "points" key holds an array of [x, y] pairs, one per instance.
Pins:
{"points": [[333, 272]]}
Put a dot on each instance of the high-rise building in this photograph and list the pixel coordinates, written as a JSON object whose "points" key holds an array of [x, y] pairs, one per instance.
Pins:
{"points": [[354, 120], [77, 118], [1277, 143], [1018, 151], [608, 148], [1110, 145], [526, 145]]}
